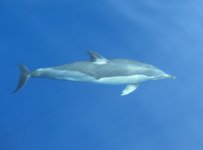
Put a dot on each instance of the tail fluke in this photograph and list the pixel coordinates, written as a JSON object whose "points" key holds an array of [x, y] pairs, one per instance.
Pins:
{"points": [[24, 75]]}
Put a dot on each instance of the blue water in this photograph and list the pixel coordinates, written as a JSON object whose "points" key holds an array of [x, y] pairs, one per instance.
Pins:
{"points": [[61, 115]]}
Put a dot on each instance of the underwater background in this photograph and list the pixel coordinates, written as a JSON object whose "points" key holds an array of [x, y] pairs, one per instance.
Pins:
{"points": [[64, 115]]}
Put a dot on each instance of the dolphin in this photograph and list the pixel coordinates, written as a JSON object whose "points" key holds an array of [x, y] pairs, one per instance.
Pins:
{"points": [[98, 70]]}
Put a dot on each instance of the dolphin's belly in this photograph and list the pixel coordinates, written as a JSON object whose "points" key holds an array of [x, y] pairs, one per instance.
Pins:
{"points": [[123, 79]]}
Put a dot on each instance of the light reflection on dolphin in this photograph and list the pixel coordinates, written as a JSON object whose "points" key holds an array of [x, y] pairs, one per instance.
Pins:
{"points": [[98, 70]]}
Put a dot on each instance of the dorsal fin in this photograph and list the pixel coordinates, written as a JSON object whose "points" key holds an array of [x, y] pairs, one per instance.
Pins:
{"points": [[97, 58]]}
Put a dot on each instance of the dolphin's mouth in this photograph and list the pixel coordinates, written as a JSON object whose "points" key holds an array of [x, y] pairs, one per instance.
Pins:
{"points": [[165, 76]]}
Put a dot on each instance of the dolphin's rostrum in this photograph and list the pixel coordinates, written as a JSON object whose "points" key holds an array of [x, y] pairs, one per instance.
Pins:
{"points": [[98, 70]]}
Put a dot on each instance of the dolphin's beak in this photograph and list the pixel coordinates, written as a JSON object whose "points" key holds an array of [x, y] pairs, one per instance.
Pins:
{"points": [[169, 76], [165, 76]]}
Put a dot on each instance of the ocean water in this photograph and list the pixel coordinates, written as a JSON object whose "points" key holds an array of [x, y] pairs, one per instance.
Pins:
{"points": [[62, 115]]}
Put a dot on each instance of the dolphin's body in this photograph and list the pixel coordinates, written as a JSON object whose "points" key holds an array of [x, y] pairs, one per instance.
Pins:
{"points": [[99, 70]]}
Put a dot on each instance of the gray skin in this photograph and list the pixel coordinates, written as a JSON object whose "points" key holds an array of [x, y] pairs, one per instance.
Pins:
{"points": [[99, 70], [114, 68]]}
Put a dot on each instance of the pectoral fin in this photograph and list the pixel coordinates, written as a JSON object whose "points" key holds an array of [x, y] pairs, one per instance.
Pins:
{"points": [[129, 89]]}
